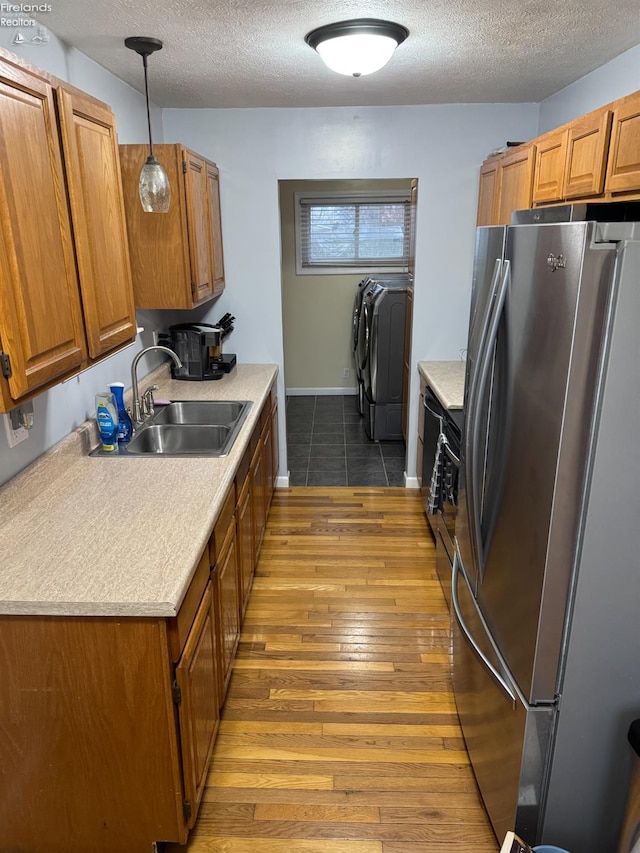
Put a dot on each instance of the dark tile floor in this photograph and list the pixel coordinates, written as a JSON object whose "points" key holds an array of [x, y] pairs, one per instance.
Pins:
{"points": [[327, 446]]}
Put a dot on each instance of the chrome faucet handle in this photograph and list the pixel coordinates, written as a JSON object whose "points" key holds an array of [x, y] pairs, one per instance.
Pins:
{"points": [[148, 401]]}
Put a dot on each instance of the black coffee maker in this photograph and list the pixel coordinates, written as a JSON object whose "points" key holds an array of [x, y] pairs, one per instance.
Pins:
{"points": [[199, 348]]}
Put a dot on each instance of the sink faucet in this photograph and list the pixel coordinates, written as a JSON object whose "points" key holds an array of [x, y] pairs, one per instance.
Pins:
{"points": [[137, 413]]}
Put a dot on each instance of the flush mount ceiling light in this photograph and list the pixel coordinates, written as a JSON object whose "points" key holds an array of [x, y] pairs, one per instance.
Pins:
{"points": [[357, 47], [154, 188]]}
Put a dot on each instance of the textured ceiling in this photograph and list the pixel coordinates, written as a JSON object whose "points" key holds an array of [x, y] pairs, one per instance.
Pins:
{"points": [[251, 53]]}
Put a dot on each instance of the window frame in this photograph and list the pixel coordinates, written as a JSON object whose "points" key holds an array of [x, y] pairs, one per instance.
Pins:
{"points": [[345, 197]]}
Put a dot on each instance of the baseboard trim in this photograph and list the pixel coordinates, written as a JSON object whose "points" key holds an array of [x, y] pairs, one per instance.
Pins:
{"points": [[411, 482], [320, 392], [282, 481]]}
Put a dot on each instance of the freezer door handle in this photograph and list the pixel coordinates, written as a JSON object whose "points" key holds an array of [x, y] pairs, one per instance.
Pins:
{"points": [[483, 373], [465, 630]]}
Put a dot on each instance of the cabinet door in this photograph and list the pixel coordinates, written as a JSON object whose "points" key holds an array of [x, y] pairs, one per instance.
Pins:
{"points": [[199, 227], [41, 328], [515, 182], [548, 180], [217, 257], [97, 209], [256, 473], [623, 170], [267, 455], [487, 193], [275, 447], [420, 444], [244, 523], [229, 598], [587, 148], [199, 713], [406, 370]]}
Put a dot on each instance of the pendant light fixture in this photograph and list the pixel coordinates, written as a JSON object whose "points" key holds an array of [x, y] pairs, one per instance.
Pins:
{"points": [[154, 188], [357, 47]]}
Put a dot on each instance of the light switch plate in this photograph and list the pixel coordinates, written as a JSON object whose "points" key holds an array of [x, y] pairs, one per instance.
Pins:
{"points": [[14, 436]]}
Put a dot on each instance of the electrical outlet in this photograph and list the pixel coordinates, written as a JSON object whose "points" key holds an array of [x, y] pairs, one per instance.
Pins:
{"points": [[14, 436], [346, 373]]}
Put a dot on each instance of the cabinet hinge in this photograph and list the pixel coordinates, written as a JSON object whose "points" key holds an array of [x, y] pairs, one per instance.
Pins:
{"points": [[186, 808], [176, 693], [5, 363], [184, 167]]}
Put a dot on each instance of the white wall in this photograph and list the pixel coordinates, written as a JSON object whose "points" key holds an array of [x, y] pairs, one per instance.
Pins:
{"points": [[443, 146], [63, 408], [614, 80]]}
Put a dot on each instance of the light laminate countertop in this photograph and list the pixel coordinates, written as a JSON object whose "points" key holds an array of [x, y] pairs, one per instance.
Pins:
{"points": [[96, 536], [446, 380]]}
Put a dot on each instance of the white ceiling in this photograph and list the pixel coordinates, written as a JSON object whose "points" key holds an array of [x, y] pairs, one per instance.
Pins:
{"points": [[251, 53]]}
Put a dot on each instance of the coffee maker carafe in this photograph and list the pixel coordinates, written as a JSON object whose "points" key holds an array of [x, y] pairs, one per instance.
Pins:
{"points": [[199, 348]]}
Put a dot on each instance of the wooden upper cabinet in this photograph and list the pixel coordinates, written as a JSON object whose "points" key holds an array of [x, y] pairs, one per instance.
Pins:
{"points": [[198, 225], [173, 254], [217, 253], [623, 169], [41, 327], [587, 147], [515, 182], [97, 209], [487, 193], [548, 181]]}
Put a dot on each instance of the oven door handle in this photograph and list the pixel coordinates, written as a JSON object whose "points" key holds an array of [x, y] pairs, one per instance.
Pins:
{"points": [[452, 456], [433, 414]]}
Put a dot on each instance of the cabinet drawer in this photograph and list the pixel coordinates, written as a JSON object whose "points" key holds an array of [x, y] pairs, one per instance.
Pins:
{"points": [[180, 625]]}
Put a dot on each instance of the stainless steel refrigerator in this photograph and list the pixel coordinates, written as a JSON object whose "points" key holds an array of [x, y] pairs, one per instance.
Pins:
{"points": [[546, 582]]}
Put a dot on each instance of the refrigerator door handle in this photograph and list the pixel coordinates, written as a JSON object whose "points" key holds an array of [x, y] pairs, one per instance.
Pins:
{"points": [[483, 372], [465, 630], [472, 420]]}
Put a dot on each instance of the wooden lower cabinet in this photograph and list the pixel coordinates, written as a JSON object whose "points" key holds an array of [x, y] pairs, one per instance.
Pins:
{"points": [[257, 475], [196, 693], [244, 525], [228, 612], [107, 724], [90, 753]]}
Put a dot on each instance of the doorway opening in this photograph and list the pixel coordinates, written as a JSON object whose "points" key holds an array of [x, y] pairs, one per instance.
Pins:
{"points": [[329, 231]]}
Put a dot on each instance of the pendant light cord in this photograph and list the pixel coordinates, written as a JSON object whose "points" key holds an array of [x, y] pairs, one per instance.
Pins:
{"points": [[146, 91]]}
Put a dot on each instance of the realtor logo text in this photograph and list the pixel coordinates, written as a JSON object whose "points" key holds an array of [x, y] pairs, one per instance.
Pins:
{"points": [[25, 7]]}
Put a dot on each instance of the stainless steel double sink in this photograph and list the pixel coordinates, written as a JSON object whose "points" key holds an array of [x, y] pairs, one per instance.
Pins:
{"points": [[187, 428]]}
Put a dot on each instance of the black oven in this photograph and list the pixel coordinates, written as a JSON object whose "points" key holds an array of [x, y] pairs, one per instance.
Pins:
{"points": [[433, 426], [448, 498]]}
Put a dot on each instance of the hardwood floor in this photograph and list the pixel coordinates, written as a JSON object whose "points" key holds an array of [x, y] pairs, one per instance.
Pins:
{"points": [[340, 732]]}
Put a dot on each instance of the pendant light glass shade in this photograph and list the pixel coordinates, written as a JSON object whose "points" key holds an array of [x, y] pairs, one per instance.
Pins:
{"points": [[153, 188], [357, 47]]}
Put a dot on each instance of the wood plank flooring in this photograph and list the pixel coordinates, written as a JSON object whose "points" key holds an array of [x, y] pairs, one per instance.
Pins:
{"points": [[340, 733]]}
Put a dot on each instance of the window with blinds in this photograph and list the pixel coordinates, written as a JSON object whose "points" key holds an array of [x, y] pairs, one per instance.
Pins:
{"points": [[355, 233]]}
